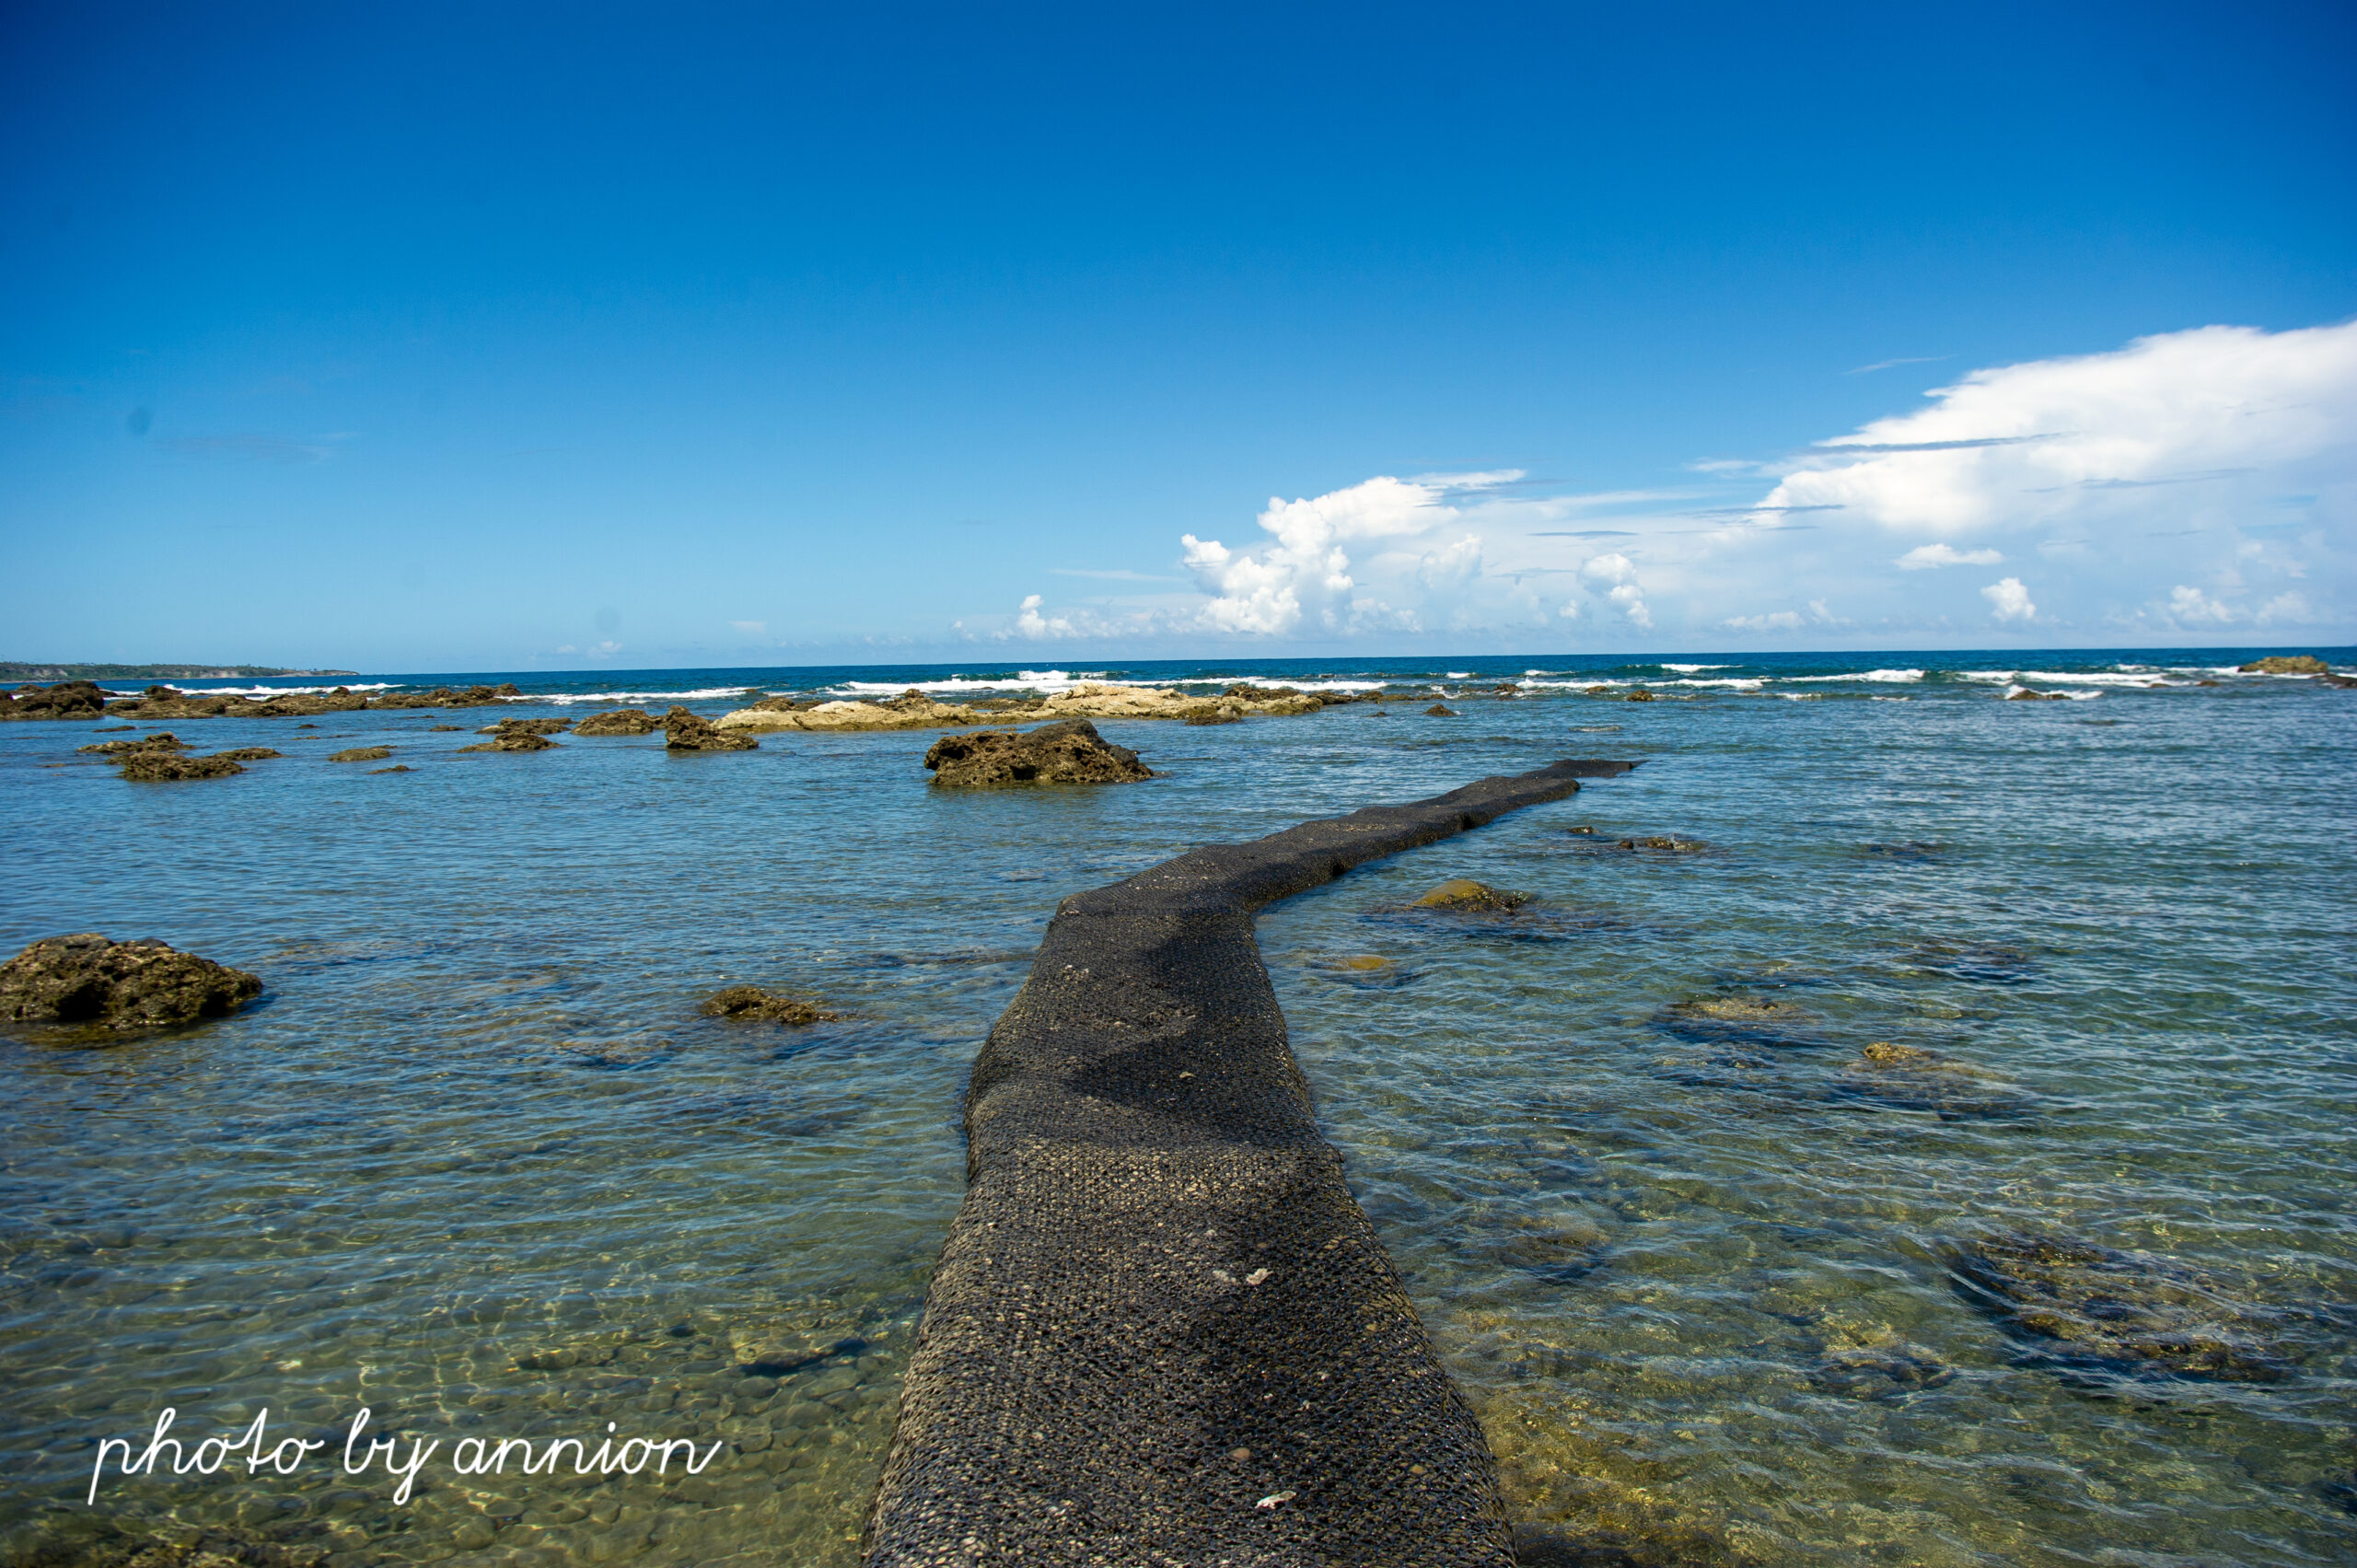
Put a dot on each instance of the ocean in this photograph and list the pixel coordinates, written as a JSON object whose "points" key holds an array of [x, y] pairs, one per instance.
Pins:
{"points": [[1933, 1147]]}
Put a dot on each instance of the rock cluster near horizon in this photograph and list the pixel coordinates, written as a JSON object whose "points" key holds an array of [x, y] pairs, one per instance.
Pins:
{"points": [[915, 710]]}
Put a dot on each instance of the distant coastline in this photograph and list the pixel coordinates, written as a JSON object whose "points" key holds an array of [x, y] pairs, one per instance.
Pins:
{"points": [[10, 670]]}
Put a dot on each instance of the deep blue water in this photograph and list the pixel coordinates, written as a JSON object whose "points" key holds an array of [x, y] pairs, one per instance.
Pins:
{"points": [[476, 1163]]}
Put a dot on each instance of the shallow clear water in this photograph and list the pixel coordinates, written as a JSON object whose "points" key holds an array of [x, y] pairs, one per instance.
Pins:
{"points": [[476, 1164]]}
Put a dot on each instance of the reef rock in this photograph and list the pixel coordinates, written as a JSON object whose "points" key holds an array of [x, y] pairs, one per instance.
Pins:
{"points": [[1069, 751], [1665, 843], [751, 1004], [443, 697], [2135, 1312], [684, 731], [1463, 894], [87, 978], [165, 767], [1438, 712], [248, 754], [619, 721], [513, 740], [1907, 1077], [2286, 664], [162, 740], [527, 727], [66, 700], [1739, 1020], [361, 754], [1095, 700]]}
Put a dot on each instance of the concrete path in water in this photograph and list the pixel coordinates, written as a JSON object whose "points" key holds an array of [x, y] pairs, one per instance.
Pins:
{"points": [[1161, 1331]]}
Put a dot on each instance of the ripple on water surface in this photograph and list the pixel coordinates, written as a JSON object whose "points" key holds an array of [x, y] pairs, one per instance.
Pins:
{"points": [[1945, 1165]]}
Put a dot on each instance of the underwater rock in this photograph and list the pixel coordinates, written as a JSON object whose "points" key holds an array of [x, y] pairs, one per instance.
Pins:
{"points": [[66, 700], [1739, 1020], [430, 729], [1070, 751], [751, 1004], [1869, 1371], [162, 740], [1464, 893], [248, 754], [88, 979], [1907, 1077], [619, 721], [1905, 852], [527, 727], [2286, 664], [83, 1542], [1641, 695], [164, 767], [2129, 1311], [1368, 972], [396, 768], [1997, 963], [1665, 844], [513, 740], [684, 731], [361, 754]]}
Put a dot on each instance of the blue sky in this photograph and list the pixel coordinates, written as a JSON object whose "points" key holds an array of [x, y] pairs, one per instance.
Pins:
{"points": [[429, 337]]}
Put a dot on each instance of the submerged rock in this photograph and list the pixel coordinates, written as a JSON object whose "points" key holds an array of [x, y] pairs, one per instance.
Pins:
{"points": [[1464, 893], [1665, 844], [1907, 1077], [1909, 850], [527, 727], [165, 767], [248, 754], [361, 754], [1997, 963], [2286, 664], [396, 768], [2024, 694], [1740, 1021], [88, 979], [619, 721], [511, 740], [162, 740], [2132, 1311], [66, 700], [430, 729], [1067, 753], [1869, 1371], [751, 1004], [684, 731], [1641, 695]]}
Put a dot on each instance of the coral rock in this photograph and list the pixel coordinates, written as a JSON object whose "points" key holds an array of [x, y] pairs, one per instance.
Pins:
{"points": [[88, 979], [751, 1004], [1068, 752], [619, 721], [684, 731]]}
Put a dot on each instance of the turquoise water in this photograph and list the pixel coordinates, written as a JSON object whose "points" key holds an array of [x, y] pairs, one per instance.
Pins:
{"points": [[476, 1164]]}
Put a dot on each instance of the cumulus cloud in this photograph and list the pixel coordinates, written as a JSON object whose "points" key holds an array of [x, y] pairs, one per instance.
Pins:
{"points": [[2008, 600], [1928, 555], [2219, 463]]}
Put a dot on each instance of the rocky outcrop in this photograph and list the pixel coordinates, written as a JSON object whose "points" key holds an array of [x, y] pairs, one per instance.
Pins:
{"points": [[1664, 843], [167, 703], [443, 697], [1069, 751], [513, 740], [167, 767], [2286, 664], [684, 731], [1438, 711], [66, 700], [619, 721], [2024, 694], [162, 740], [361, 754], [527, 727], [751, 1004], [248, 754], [1463, 894], [88, 979], [914, 710]]}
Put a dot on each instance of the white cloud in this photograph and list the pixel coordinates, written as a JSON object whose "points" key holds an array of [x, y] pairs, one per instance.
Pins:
{"points": [[1774, 620], [2189, 606], [1029, 622], [2008, 600], [1928, 555]]}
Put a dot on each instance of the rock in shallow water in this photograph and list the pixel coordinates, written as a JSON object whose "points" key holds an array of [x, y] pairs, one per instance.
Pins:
{"points": [[1068, 752], [513, 740], [2134, 1312], [66, 700], [751, 1004], [619, 721], [88, 979], [685, 731], [163, 767], [2286, 664], [1463, 893], [162, 740], [361, 754]]}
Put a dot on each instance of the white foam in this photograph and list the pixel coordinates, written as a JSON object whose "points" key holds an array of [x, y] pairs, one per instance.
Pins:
{"points": [[2014, 690], [2064, 677], [193, 691], [1691, 668], [1877, 675], [701, 694]]}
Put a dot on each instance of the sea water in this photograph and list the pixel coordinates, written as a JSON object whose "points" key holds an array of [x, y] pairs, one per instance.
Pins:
{"points": [[476, 1165]]}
